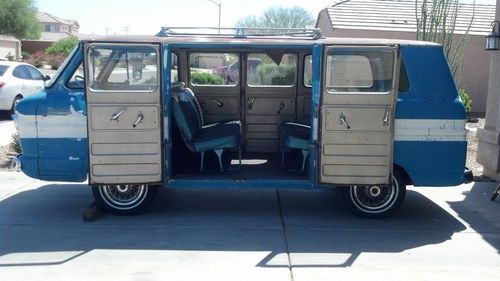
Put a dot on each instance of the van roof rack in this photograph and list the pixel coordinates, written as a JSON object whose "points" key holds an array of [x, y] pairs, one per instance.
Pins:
{"points": [[241, 32]]}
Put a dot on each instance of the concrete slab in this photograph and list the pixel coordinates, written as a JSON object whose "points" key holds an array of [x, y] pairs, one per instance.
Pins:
{"points": [[440, 233]]}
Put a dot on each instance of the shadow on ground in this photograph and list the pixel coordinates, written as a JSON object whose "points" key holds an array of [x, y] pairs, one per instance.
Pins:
{"points": [[480, 212], [48, 220]]}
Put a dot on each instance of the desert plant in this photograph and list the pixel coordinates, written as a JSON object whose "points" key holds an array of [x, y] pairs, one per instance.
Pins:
{"points": [[56, 60], [38, 59], [436, 22], [15, 145], [466, 100], [201, 78]]}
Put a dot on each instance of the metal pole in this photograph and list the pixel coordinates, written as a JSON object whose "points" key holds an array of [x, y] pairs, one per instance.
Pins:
{"points": [[220, 5]]}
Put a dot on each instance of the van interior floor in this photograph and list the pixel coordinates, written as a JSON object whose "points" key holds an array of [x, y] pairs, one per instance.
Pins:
{"points": [[254, 166]]}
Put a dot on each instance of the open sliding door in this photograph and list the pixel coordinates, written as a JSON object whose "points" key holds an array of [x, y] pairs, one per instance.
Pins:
{"points": [[359, 88]]}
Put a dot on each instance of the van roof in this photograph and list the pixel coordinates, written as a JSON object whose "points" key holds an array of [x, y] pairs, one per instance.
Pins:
{"points": [[254, 40]]}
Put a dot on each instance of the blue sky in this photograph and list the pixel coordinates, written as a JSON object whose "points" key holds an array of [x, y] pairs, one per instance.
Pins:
{"points": [[147, 16]]}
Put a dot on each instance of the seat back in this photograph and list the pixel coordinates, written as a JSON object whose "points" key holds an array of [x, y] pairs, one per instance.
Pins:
{"points": [[187, 113]]}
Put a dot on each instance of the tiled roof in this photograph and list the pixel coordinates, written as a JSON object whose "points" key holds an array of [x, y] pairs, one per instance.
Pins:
{"points": [[46, 17], [399, 15]]}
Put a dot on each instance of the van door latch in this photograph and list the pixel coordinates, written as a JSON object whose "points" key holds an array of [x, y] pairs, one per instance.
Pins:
{"points": [[139, 119], [386, 117], [343, 121], [250, 105], [117, 115]]}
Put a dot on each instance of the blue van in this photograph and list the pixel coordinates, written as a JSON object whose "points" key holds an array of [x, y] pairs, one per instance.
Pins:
{"points": [[132, 114]]}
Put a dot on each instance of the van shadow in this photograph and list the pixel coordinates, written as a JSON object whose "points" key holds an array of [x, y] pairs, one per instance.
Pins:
{"points": [[47, 222], [480, 212]]}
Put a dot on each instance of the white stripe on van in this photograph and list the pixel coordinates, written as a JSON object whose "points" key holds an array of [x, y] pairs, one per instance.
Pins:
{"points": [[74, 126], [429, 130]]}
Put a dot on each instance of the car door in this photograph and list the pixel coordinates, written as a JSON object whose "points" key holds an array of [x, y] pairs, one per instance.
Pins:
{"points": [[123, 92], [359, 87], [37, 80], [22, 80]]}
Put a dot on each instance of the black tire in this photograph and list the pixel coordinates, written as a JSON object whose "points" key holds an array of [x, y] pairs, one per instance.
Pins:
{"points": [[376, 201], [124, 199], [14, 103]]}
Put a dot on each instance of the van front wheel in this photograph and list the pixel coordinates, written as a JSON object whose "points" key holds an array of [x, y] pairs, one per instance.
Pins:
{"points": [[124, 199], [376, 201]]}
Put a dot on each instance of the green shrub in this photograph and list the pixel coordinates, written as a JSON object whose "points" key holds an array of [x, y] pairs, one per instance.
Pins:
{"points": [[26, 55], [201, 78], [466, 100], [272, 74], [63, 46], [14, 145]]}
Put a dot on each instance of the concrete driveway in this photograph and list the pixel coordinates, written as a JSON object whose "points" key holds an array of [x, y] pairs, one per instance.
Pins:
{"points": [[450, 233]]}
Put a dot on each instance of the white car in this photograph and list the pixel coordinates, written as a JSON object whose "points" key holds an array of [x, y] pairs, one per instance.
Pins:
{"points": [[18, 80]]}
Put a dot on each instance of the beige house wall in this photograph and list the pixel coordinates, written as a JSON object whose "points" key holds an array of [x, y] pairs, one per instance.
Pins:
{"points": [[475, 73], [9, 47], [488, 153]]}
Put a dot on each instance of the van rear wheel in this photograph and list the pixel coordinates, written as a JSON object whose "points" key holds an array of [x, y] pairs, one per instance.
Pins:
{"points": [[376, 201], [124, 199]]}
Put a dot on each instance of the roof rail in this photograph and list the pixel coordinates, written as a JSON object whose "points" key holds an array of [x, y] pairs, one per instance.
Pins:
{"points": [[241, 32]]}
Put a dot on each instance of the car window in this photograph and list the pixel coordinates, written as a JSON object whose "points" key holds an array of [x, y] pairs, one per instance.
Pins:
{"points": [[3, 69], [174, 70], [214, 69], [21, 72], [123, 68], [34, 73], [364, 71], [262, 70], [77, 80]]}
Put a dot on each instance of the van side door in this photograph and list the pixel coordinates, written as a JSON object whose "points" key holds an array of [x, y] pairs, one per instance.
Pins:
{"points": [[124, 113], [359, 88]]}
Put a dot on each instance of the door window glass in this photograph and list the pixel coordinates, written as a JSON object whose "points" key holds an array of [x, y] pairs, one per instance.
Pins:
{"points": [[214, 69], [77, 80], [34, 73], [262, 70], [123, 68], [21, 72], [174, 68], [359, 71], [308, 71]]}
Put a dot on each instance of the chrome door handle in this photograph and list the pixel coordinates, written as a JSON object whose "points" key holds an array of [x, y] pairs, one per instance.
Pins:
{"points": [[386, 117], [139, 119], [218, 103], [282, 105], [343, 121], [250, 105], [117, 115]]}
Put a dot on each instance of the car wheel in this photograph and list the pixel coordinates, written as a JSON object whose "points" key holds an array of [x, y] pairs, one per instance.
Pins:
{"points": [[12, 111], [124, 199], [376, 201]]}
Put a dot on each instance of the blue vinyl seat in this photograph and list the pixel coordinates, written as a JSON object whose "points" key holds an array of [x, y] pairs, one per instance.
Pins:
{"points": [[197, 136], [295, 136]]}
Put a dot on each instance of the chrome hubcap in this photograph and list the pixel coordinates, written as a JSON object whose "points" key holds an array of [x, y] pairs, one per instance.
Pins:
{"points": [[124, 196], [375, 198]]}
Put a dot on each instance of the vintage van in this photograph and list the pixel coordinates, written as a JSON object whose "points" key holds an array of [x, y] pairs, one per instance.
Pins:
{"points": [[247, 109]]}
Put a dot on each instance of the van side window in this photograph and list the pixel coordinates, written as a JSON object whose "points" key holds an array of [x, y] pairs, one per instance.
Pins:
{"points": [[308, 71], [404, 83], [174, 68], [214, 69], [360, 71], [77, 80], [262, 70], [123, 68]]}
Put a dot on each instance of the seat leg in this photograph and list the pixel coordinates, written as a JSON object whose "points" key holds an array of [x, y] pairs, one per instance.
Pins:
{"points": [[201, 162], [305, 153], [219, 155]]}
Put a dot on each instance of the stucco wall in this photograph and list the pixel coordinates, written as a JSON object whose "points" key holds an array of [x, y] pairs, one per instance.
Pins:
{"points": [[476, 60], [11, 47]]}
